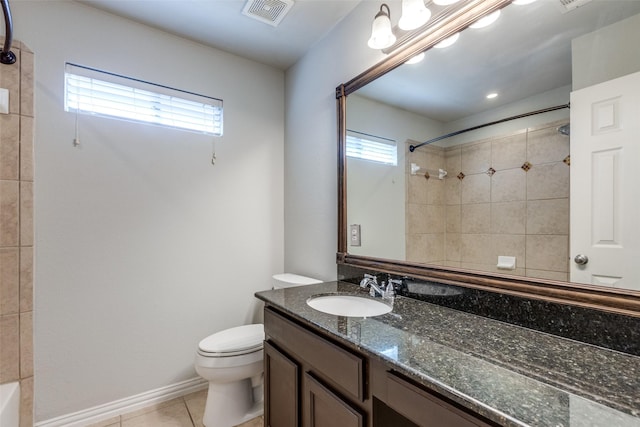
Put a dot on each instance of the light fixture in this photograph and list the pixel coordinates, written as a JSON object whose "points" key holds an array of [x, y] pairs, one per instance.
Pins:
{"points": [[445, 2], [485, 21], [381, 34], [492, 95], [415, 59], [448, 41], [414, 14]]}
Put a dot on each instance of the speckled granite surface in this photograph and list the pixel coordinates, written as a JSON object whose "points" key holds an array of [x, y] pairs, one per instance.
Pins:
{"points": [[509, 374]]}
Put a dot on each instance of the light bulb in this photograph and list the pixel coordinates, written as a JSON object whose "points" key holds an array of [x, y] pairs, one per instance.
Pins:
{"points": [[381, 34], [415, 59], [414, 14]]}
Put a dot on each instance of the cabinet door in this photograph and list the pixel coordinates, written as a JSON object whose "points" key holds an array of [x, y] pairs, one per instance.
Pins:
{"points": [[281, 376], [325, 409]]}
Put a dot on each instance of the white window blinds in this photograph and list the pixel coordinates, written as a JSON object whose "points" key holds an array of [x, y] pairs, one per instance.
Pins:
{"points": [[91, 91], [373, 148]]}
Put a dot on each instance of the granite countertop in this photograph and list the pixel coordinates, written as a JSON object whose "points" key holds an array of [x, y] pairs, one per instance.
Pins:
{"points": [[509, 374]]}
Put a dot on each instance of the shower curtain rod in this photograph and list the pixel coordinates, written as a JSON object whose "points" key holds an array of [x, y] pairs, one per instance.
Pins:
{"points": [[519, 116], [6, 56]]}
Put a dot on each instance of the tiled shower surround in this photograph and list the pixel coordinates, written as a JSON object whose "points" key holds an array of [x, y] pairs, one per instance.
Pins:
{"points": [[16, 229], [502, 196]]}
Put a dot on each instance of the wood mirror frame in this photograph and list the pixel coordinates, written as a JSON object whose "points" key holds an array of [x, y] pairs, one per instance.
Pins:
{"points": [[620, 301]]}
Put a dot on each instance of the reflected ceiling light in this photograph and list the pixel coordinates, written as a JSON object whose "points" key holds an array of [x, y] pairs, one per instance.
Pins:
{"points": [[445, 2], [414, 60], [448, 41], [492, 95], [381, 34], [486, 20], [522, 2], [414, 14]]}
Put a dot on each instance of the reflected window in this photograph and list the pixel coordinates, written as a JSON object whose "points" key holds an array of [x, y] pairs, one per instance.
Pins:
{"points": [[372, 148]]}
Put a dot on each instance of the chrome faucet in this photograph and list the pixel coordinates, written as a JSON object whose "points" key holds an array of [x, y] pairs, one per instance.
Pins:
{"points": [[371, 281]]}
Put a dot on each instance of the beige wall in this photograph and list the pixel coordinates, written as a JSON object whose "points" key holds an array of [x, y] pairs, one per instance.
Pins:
{"points": [[469, 221], [16, 229]]}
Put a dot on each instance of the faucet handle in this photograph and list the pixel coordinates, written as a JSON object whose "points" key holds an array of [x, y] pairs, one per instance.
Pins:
{"points": [[391, 288], [368, 277]]}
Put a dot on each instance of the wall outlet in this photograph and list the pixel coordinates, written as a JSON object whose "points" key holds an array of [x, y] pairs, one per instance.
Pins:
{"points": [[354, 234]]}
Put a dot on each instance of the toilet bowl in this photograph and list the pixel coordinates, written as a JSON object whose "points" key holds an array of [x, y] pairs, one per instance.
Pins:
{"points": [[232, 362]]}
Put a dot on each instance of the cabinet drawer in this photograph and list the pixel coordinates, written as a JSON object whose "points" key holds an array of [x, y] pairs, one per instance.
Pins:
{"points": [[336, 365], [424, 408]]}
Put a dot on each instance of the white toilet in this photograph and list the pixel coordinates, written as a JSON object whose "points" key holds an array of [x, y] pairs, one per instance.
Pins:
{"points": [[231, 360]]}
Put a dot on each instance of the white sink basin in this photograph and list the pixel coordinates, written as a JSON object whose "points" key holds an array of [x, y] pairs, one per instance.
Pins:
{"points": [[348, 305]]}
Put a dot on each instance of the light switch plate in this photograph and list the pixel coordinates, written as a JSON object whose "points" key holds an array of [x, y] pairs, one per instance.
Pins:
{"points": [[4, 101]]}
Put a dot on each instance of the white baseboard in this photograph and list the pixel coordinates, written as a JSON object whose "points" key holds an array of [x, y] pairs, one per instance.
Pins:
{"points": [[126, 405]]}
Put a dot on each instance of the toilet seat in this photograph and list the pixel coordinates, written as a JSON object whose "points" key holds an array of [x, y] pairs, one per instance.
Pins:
{"points": [[233, 342]]}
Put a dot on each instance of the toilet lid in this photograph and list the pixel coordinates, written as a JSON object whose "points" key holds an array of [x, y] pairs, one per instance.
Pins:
{"points": [[238, 340]]}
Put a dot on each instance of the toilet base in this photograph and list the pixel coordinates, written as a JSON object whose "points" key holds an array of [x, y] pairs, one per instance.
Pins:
{"points": [[230, 404]]}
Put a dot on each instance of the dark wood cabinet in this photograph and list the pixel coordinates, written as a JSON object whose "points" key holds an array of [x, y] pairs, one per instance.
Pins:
{"points": [[311, 380], [282, 384], [323, 408]]}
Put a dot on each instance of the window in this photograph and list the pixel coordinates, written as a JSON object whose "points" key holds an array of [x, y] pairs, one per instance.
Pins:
{"points": [[373, 148], [90, 91]]}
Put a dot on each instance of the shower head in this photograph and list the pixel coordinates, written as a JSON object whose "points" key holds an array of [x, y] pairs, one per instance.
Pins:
{"points": [[564, 129]]}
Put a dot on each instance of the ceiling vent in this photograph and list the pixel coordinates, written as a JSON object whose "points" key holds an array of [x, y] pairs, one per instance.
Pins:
{"points": [[569, 5], [268, 11]]}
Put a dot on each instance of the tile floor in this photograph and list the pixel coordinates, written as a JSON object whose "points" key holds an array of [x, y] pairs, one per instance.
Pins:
{"points": [[181, 412]]}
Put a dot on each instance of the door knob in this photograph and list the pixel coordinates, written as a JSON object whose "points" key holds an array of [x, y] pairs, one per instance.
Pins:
{"points": [[581, 259]]}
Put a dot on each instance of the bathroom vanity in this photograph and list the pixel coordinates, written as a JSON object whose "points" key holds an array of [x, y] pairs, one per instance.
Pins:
{"points": [[426, 365]]}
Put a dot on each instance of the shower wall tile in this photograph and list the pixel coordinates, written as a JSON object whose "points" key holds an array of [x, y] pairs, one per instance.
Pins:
{"points": [[509, 152], [476, 218], [416, 247], [509, 185], [26, 148], [548, 181], [434, 158], [26, 279], [9, 281], [476, 248], [509, 245], [476, 158], [548, 252], [435, 191], [26, 213], [9, 208], [452, 218], [9, 146], [509, 217], [9, 348], [26, 89], [546, 146], [26, 402], [548, 216], [453, 245], [476, 189], [452, 190], [417, 219], [434, 219], [417, 189], [434, 253], [26, 344]]}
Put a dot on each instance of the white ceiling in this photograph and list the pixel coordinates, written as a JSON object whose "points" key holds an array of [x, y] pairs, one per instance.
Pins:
{"points": [[221, 24]]}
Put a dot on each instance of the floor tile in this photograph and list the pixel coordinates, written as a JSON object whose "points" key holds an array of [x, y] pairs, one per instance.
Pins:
{"points": [[111, 422], [175, 415], [195, 404], [256, 422]]}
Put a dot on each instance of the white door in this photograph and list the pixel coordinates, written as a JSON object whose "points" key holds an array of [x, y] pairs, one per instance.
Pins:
{"points": [[605, 183]]}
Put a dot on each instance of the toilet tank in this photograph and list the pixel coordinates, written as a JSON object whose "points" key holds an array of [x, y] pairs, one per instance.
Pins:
{"points": [[288, 280]]}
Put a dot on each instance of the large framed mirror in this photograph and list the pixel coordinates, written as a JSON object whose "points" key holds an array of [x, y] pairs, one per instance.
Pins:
{"points": [[505, 161]]}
